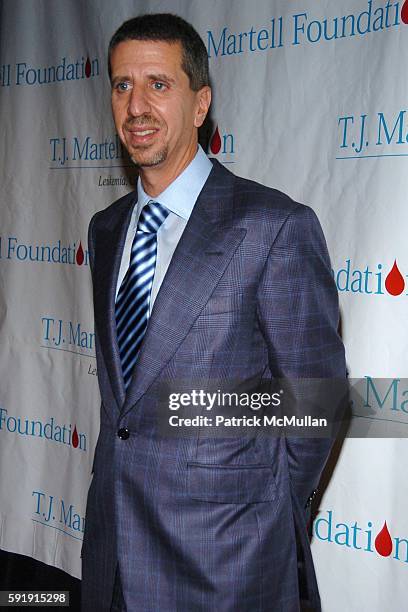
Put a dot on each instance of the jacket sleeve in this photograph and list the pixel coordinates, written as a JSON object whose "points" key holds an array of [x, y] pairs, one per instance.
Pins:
{"points": [[91, 248], [297, 305]]}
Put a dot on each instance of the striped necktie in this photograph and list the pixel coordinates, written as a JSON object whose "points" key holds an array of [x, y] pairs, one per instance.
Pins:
{"points": [[133, 299]]}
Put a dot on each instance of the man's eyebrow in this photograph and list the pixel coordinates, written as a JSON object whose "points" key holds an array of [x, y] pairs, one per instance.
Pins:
{"points": [[161, 77], [152, 77], [119, 79]]}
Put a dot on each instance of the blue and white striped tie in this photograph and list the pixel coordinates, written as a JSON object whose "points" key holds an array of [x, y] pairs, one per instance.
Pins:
{"points": [[133, 299]]}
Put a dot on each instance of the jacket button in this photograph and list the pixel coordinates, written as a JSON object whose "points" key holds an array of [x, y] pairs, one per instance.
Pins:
{"points": [[123, 433], [311, 498]]}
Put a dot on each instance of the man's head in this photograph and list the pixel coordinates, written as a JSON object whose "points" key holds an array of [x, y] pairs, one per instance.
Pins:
{"points": [[172, 29], [160, 94]]}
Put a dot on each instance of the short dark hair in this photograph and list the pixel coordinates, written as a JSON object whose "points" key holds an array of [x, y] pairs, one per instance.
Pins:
{"points": [[169, 28]]}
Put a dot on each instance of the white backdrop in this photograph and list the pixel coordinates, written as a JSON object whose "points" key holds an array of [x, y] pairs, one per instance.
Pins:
{"points": [[310, 97]]}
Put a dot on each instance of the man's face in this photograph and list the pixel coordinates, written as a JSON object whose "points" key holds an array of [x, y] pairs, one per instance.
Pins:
{"points": [[156, 112]]}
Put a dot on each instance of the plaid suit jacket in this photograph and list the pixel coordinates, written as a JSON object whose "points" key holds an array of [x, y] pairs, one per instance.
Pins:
{"points": [[201, 523]]}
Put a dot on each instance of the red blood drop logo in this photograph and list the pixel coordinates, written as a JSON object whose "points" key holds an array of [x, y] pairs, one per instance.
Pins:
{"points": [[80, 255], [394, 283], [88, 68], [75, 438], [404, 12], [215, 144], [383, 542]]}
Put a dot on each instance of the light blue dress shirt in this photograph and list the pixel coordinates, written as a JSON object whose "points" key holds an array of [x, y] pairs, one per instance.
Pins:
{"points": [[179, 198]]}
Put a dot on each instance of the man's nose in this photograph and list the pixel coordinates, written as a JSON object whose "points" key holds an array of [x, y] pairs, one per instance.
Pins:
{"points": [[138, 102]]}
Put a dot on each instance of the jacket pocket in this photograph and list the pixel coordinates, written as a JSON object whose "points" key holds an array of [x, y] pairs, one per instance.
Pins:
{"points": [[227, 484], [220, 304]]}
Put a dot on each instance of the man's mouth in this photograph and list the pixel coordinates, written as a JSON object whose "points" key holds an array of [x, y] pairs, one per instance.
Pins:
{"points": [[141, 135], [144, 132]]}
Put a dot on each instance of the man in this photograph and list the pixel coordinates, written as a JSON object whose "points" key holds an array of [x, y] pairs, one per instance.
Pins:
{"points": [[199, 275]]}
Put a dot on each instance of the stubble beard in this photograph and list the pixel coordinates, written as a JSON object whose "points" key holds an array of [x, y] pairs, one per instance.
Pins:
{"points": [[140, 155], [144, 159]]}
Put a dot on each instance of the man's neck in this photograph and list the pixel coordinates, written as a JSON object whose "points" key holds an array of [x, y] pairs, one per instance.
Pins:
{"points": [[155, 179]]}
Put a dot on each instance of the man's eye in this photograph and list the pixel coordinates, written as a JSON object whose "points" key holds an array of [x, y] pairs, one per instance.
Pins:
{"points": [[122, 86], [159, 86]]}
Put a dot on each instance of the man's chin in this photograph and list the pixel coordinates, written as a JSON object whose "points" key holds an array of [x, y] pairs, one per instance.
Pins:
{"points": [[145, 160]]}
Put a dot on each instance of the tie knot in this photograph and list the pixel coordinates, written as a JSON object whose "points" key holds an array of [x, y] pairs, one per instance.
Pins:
{"points": [[152, 216]]}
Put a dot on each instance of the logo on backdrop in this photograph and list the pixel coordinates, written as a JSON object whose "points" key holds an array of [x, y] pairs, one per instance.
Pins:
{"points": [[64, 70], [56, 512], [363, 537], [386, 394], [380, 280], [85, 149], [85, 152], [70, 337], [48, 429], [222, 146], [13, 249], [376, 135], [305, 28], [404, 12], [381, 399], [59, 334]]}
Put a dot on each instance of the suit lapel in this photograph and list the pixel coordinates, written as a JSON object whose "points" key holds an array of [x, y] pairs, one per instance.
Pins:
{"points": [[201, 257], [110, 241]]}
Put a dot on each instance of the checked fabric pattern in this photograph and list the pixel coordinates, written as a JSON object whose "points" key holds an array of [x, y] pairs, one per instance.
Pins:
{"points": [[133, 299]]}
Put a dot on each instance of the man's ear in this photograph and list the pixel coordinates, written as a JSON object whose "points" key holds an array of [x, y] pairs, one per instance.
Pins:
{"points": [[203, 104]]}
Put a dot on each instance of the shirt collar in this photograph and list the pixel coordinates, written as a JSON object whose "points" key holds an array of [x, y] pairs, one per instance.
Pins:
{"points": [[181, 195]]}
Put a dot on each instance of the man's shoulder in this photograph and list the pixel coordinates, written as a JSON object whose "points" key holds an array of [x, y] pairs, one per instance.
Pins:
{"points": [[261, 207], [258, 195], [254, 196], [119, 208]]}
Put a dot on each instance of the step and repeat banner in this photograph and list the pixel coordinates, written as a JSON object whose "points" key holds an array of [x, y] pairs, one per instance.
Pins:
{"points": [[310, 97]]}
